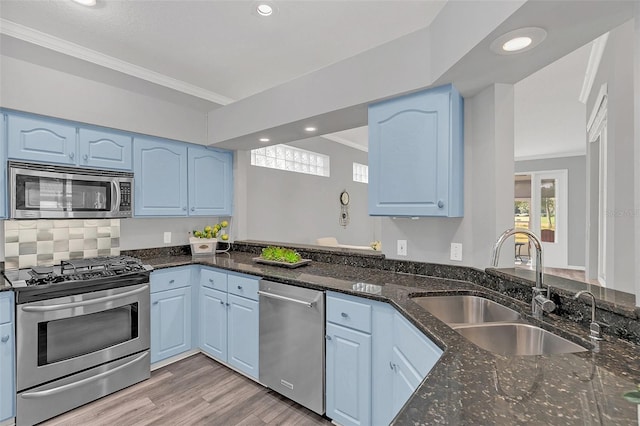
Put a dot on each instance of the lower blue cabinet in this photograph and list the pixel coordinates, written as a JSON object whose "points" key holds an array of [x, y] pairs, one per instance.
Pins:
{"points": [[7, 357], [375, 360], [170, 312], [348, 375], [229, 323]]}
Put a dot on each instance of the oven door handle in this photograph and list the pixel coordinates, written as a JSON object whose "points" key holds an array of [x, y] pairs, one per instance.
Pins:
{"points": [[84, 302], [49, 392]]}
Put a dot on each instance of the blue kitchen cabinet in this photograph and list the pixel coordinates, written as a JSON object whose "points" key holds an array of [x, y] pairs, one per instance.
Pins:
{"points": [[229, 319], [4, 197], [105, 150], [348, 359], [7, 357], [41, 139], [416, 160], [210, 182], [243, 335], [160, 169], [170, 313], [213, 322]]}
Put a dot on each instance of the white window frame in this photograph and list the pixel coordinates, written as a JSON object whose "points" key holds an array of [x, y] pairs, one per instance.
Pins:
{"points": [[360, 173]]}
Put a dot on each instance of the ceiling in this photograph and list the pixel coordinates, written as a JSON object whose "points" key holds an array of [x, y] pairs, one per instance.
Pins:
{"points": [[223, 50]]}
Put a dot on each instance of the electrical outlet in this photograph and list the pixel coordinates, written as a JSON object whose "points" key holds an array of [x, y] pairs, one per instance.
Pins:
{"points": [[402, 247], [456, 251], [167, 237]]}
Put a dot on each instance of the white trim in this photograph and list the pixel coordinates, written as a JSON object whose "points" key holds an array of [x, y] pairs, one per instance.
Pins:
{"points": [[575, 268], [597, 50], [346, 142], [549, 156], [174, 358], [602, 94], [68, 48]]}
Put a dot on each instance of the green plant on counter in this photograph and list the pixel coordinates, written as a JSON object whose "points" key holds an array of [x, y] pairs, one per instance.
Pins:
{"points": [[633, 396], [280, 254]]}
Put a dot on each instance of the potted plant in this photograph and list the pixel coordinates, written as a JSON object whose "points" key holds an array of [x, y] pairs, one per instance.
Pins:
{"points": [[205, 241]]}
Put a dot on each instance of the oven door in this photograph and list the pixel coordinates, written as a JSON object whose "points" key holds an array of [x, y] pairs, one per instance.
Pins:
{"points": [[62, 336]]}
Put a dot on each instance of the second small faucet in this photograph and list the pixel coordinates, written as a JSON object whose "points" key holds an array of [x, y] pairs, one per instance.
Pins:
{"points": [[539, 301]]}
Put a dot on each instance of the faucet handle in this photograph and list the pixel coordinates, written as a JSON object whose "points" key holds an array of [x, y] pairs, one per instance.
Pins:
{"points": [[594, 331], [545, 303]]}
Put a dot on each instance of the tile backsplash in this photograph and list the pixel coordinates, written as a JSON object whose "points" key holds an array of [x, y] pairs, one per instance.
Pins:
{"points": [[29, 243]]}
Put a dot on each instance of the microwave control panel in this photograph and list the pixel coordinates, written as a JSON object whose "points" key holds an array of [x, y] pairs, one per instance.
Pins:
{"points": [[125, 196]]}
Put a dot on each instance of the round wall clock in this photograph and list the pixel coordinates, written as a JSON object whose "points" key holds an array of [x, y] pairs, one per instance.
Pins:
{"points": [[344, 198]]}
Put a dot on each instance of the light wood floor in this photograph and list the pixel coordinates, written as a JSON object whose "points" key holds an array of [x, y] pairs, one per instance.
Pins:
{"points": [[193, 391]]}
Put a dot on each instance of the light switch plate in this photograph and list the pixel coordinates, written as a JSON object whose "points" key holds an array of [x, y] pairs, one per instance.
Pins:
{"points": [[167, 237], [456, 251], [402, 247]]}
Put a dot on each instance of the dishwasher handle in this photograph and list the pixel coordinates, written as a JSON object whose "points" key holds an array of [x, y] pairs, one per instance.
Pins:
{"points": [[286, 299]]}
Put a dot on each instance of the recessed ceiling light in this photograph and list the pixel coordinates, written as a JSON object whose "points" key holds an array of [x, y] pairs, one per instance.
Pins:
{"points": [[264, 139], [264, 9], [518, 41], [310, 129], [86, 2], [516, 44]]}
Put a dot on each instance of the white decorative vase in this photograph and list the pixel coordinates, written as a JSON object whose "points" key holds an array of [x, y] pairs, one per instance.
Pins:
{"points": [[203, 246]]}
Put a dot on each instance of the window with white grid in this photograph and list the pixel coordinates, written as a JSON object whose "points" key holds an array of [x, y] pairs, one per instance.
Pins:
{"points": [[360, 173], [285, 157]]}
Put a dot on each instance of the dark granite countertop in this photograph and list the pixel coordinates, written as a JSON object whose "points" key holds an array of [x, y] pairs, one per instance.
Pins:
{"points": [[469, 385]]}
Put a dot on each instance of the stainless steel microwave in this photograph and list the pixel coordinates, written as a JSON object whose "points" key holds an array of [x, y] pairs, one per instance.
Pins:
{"points": [[42, 191]]}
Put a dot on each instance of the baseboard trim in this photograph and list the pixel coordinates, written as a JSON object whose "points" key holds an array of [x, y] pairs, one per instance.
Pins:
{"points": [[173, 359]]}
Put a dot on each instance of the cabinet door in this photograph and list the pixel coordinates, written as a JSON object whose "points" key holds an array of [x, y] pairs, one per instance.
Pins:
{"points": [[170, 323], [102, 149], [405, 380], [213, 322], [3, 167], [7, 360], [160, 169], [210, 182], [243, 336], [415, 165], [41, 140], [348, 376]]}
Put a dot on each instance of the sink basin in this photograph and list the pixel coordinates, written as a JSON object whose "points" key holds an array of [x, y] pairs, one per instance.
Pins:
{"points": [[465, 309], [517, 339]]}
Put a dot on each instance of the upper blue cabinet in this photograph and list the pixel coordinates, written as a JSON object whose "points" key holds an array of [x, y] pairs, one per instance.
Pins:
{"points": [[105, 150], [416, 162], [35, 138], [40, 139], [160, 173], [210, 182], [178, 179]]}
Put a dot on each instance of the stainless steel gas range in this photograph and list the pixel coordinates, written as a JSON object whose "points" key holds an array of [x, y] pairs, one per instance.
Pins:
{"points": [[82, 332]]}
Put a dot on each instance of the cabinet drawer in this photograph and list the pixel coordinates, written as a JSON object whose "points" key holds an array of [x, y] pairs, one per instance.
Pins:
{"points": [[167, 279], [349, 312], [213, 279], [243, 286], [6, 309]]}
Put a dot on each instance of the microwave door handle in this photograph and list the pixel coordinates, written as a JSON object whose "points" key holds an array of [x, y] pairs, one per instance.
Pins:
{"points": [[83, 303], [115, 201]]}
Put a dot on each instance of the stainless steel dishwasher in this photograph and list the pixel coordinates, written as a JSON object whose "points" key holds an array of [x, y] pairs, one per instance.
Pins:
{"points": [[292, 342]]}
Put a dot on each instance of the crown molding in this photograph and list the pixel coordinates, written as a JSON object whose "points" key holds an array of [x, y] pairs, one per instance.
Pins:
{"points": [[551, 156], [47, 41], [346, 142], [597, 50]]}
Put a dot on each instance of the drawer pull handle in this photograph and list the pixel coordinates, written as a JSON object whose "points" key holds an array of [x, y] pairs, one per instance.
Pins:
{"points": [[5, 339], [172, 281], [344, 315]]}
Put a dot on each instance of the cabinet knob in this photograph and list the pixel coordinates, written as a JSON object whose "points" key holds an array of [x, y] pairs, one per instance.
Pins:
{"points": [[193, 209], [184, 209], [440, 204], [172, 281], [344, 315], [211, 280], [327, 337], [5, 339], [239, 287], [390, 365], [221, 302], [227, 303], [71, 155], [155, 303], [85, 157]]}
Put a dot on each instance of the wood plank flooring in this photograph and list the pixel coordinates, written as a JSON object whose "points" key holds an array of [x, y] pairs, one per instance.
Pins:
{"points": [[193, 391]]}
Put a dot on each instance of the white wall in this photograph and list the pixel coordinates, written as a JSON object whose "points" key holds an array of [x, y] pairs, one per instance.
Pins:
{"points": [[299, 208], [488, 191], [616, 70], [33, 88], [149, 232]]}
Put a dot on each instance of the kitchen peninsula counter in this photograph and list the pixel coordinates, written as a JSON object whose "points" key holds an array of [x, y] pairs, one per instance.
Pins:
{"points": [[469, 385]]}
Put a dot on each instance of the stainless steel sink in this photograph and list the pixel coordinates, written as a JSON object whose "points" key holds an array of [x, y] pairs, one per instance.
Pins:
{"points": [[517, 339], [465, 309]]}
